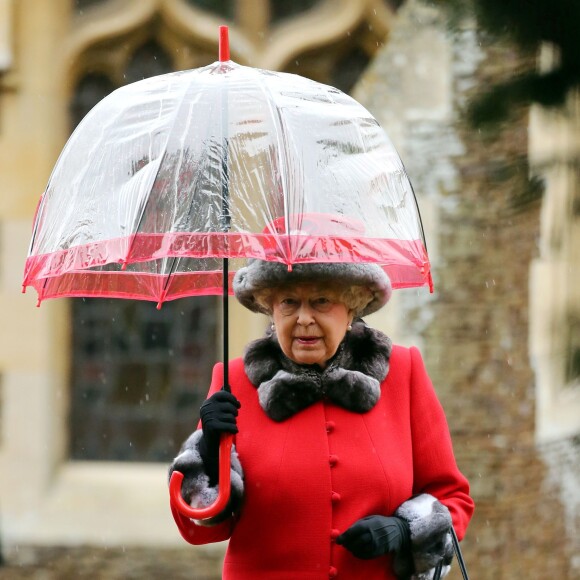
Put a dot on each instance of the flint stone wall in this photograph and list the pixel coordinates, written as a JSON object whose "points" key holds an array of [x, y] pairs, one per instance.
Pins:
{"points": [[474, 331]]}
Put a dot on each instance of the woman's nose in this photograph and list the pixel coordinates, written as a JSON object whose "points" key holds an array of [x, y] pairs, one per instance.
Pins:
{"points": [[305, 315]]}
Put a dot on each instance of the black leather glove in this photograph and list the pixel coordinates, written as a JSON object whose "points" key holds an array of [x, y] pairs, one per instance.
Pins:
{"points": [[218, 415], [374, 536]]}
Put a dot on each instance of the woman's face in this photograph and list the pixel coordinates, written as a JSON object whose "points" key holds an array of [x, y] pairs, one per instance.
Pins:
{"points": [[310, 323]]}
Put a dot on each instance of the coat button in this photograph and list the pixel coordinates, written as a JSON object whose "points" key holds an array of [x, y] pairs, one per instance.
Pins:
{"points": [[332, 572], [334, 534], [333, 460], [330, 425], [335, 497]]}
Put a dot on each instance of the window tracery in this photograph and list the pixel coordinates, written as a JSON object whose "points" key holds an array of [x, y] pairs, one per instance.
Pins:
{"points": [[139, 375]]}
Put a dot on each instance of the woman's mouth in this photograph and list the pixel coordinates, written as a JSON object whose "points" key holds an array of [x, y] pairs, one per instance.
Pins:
{"points": [[307, 340]]}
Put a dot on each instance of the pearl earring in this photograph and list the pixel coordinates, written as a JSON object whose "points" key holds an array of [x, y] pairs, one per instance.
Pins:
{"points": [[272, 327], [349, 327]]}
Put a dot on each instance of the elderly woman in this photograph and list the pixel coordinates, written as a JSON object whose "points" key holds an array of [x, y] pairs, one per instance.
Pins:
{"points": [[343, 464]]}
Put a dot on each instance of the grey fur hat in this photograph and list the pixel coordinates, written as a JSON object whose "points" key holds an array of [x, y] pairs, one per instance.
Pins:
{"points": [[259, 274]]}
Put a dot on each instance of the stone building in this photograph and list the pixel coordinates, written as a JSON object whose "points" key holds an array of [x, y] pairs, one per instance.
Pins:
{"points": [[95, 396]]}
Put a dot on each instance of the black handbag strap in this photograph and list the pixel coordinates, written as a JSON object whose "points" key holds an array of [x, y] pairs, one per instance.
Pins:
{"points": [[458, 555]]}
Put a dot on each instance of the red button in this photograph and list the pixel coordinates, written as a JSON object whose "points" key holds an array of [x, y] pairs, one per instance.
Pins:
{"points": [[333, 460], [334, 534], [332, 572], [335, 497], [330, 425]]}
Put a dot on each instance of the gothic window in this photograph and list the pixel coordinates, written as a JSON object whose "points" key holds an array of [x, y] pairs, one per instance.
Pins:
{"points": [[81, 5], [225, 8], [138, 374], [148, 60], [347, 70], [282, 9], [89, 91]]}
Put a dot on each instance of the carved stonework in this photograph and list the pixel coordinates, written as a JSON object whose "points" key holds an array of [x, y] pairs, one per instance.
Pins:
{"points": [[263, 33], [115, 42]]}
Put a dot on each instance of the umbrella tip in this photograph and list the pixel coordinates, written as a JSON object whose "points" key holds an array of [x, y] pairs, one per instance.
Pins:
{"points": [[23, 288], [224, 44]]}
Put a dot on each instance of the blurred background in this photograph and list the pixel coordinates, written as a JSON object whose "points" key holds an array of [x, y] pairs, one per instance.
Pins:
{"points": [[481, 100]]}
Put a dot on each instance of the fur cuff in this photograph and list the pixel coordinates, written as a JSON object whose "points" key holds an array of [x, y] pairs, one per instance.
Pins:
{"points": [[429, 522], [195, 487]]}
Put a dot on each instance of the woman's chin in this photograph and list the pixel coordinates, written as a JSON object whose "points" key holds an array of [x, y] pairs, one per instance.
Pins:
{"points": [[306, 357]]}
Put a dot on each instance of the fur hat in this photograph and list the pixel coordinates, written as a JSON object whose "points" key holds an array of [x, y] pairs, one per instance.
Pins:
{"points": [[259, 274]]}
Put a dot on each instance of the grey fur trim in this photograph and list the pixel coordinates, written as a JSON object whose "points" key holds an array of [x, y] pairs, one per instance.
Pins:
{"points": [[195, 487], [352, 378], [259, 274], [429, 522]]}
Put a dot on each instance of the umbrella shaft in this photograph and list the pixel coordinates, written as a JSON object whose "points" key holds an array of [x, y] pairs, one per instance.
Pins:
{"points": [[225, 321]]}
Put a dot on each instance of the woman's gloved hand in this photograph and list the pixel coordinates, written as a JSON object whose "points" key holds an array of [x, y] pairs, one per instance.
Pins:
{"points": [[374, 536], [218, 415]]}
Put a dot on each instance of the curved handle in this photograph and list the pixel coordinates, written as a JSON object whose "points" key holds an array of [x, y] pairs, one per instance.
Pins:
{"points": [[180, 505]]}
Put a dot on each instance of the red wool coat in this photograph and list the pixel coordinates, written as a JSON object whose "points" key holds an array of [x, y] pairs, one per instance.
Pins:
{"points": [[311, 476]]}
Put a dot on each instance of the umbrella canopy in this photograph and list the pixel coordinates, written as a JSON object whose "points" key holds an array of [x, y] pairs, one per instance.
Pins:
{"points": [[167, 175]]}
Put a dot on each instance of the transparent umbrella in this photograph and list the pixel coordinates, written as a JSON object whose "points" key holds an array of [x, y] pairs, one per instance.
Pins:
{"points": [[169, 184]]}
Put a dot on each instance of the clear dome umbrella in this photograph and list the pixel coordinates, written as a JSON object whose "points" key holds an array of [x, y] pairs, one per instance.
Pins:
{"points": [[171, 183]]}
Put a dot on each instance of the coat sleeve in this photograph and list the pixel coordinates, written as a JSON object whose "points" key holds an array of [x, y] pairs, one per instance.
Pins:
{"points": [[440, 490], [435, 468], [197, 491]]}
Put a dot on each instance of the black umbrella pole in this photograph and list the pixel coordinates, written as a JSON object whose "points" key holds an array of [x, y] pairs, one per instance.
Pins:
{"points": [[225, 322]]}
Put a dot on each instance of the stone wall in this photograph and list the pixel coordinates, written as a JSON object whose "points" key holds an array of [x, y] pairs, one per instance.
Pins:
{"points": [[474, 330], [115, 563]]}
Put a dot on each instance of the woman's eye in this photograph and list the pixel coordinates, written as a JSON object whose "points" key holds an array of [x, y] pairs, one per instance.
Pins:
{"points": [[322, 303], [287, 305], [288, 301]]}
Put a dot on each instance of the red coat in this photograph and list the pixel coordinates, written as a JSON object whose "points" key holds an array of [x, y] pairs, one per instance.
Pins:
{"points": [[309, 477]]}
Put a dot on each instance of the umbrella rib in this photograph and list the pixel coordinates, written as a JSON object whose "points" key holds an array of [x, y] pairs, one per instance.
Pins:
{"points": [[279, 123], [225, 218], [144, 207]]}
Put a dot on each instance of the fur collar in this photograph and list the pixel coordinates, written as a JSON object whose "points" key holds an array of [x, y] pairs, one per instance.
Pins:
{"points": [[352, 379]]}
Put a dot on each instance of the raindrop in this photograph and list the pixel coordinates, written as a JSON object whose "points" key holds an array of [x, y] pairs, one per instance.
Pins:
{"points": [[147, 396]]}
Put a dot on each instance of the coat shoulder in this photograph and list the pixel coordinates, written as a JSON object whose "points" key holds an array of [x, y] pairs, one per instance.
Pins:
{"points": [[401, 357]]}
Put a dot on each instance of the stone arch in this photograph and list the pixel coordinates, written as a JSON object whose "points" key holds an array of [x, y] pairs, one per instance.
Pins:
{"points": [[189, 33]]}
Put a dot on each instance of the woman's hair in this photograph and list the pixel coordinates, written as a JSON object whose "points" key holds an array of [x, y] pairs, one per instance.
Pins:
{"points": [[355, 297]]}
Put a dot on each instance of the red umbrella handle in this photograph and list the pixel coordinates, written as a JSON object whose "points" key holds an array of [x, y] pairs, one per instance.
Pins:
{"points": [[179, 504]]}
